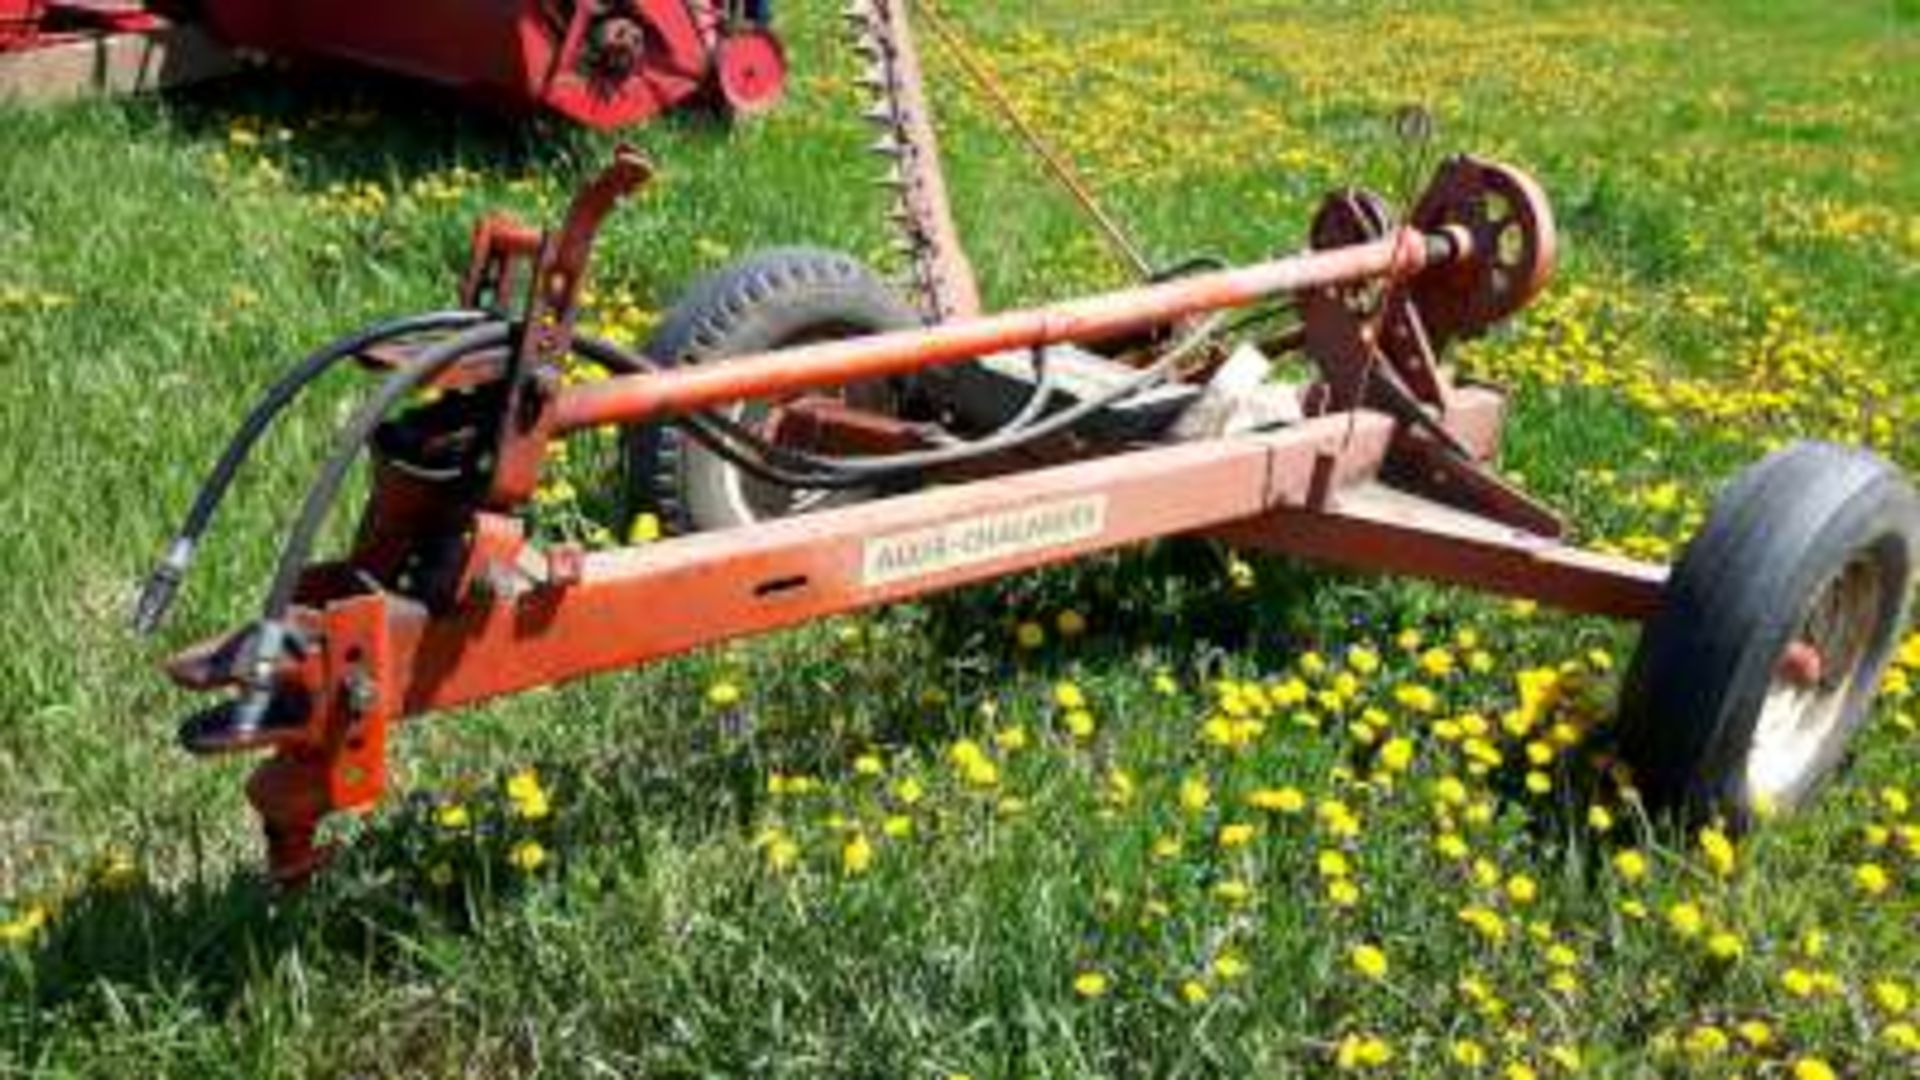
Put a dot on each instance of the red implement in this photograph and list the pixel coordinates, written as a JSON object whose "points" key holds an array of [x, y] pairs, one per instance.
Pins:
{"points": [[605, 65]]}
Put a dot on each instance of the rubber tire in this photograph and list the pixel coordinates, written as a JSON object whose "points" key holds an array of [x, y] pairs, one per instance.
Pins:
{"points": [[1693, 694], [770, 299]]}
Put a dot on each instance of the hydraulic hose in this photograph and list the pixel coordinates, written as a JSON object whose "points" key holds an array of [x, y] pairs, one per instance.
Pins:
{"points": [[272, 633], [163, 584], [833, 472]]}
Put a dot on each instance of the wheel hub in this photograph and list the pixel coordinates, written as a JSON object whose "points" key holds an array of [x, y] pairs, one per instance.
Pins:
{"points": [[1813, 679]]}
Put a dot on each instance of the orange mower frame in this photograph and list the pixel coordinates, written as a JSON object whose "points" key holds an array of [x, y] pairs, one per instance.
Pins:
{"points": [[1381, 462]]}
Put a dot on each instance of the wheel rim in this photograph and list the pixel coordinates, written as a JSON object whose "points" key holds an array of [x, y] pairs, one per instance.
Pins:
{"points": [[1814, 680], [752, 71], [753, 499], [750, 498]]}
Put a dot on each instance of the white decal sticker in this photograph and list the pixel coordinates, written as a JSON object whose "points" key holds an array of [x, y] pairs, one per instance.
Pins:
{"points": [[971, 541]]}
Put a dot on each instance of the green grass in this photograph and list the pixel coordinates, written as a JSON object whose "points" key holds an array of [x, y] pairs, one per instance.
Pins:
{"points": [[1738, 185]]}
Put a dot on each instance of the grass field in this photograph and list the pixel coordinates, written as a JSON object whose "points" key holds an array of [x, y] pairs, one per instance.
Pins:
{"points": [[1217, 819]]}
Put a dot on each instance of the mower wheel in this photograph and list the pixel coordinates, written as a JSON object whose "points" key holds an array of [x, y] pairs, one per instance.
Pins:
{"points": [[1779, 620], [774, 299]]}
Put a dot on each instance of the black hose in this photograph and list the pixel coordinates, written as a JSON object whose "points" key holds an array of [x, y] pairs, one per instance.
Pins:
{"points": [[843, 473], [359, 428], [272, 633], [163, 584]]}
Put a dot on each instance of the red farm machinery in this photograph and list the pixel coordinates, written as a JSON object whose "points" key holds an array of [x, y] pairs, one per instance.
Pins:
{"points": [[601, 63], [824, 443]]}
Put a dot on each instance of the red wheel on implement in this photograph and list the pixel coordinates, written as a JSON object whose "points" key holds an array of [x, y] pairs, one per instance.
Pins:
{"points": [[749, 71]]}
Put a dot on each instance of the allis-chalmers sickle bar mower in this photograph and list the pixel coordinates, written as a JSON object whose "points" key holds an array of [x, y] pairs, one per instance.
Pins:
{"points": [[930, 453]]}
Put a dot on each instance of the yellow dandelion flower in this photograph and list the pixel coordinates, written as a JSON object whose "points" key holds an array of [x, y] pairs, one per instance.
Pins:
{"points": [[1872, 879], [1706, 1041], [1467, 1054], [1416, 698], [1726, 946], [1090, 984], [1070, 623], [1358, 1051], [1369, 960], [1194, 992], [1902, 1036], [1286, 800], [1895, 801], [1522, 890], [452, 816], [1718, 851], [644, 529], [1686, 919], [1233, 891], [1069, 696], [1030, 635], [869, 764], [1338, 819], [856, 857], [1799, 982], [1241, 573], [723, 695], [1599, 818], [1813, 1068], [782, 853], [1755, 1033], [1397, 755], [1229, 966], [527, 856], [1195, 795], [523, 784], [1343, 893], [1630, 864], [909, 791], [1892, 995], [1486, 922], [1237, 834]]}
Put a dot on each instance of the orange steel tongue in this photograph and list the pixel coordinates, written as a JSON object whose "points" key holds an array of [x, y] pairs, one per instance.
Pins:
{"points": [[634, 398]]}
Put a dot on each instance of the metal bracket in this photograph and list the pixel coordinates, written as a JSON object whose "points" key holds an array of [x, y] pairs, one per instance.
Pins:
{"points": [[546, 330]]}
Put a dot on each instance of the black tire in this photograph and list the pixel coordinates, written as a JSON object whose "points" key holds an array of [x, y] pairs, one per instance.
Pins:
{"points": [[1814, 545], [768, 300]]}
